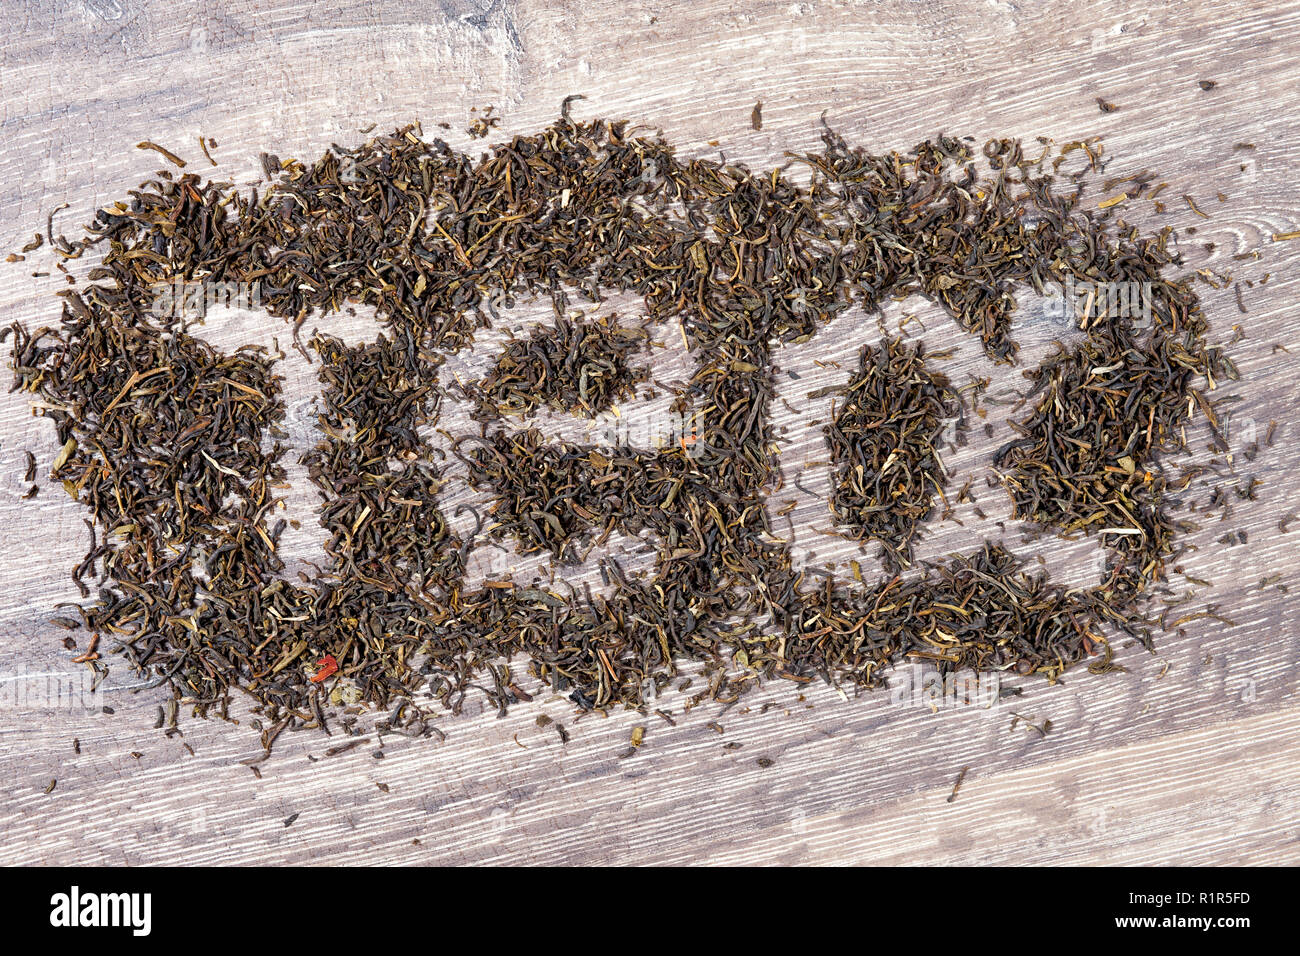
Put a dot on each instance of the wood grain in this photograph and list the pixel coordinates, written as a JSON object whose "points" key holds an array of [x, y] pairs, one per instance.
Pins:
{"points": [[1191, 757]]}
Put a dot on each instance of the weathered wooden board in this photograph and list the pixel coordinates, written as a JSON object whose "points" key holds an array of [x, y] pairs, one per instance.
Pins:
{"points": [[1190, 757]]}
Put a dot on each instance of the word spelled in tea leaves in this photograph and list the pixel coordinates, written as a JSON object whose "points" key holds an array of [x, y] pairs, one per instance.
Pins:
{"points": [[176, 448]]}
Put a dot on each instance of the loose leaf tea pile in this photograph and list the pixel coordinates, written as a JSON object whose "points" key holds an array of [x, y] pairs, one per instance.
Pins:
{"points": [[884, 445], [176, 447], [580, 367]]}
